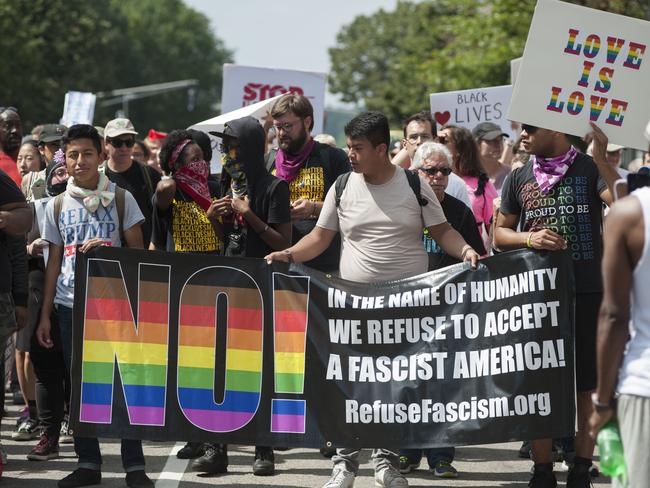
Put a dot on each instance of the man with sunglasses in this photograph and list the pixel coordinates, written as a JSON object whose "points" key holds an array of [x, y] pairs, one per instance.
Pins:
{"points": [[555, 200], [135, 176], [11, 135]]}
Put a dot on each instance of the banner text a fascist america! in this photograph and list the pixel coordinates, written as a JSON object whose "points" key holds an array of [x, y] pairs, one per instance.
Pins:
{"points": [[196, 347]]}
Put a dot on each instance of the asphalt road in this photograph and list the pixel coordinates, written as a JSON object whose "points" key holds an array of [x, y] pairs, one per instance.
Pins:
{"points": [[493, 465]]}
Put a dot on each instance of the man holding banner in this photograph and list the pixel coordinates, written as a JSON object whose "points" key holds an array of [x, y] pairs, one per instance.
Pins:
{"points": [[380, 221], [556, 199]]}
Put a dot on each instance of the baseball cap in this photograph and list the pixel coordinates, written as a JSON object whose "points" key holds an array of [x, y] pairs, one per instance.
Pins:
{"points": [[51, 133], [487, 131], [614, 147], [227, 132], [118, 127]]}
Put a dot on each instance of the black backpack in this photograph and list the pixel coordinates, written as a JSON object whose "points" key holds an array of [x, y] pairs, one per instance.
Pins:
{"points": [[413, 179]]}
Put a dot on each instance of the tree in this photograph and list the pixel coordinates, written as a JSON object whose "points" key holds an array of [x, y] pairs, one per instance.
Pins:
{"points": [[61, 45], [392, 61]]}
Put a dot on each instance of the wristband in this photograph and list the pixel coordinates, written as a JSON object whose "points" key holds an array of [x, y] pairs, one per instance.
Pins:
{"points": [[601, 407], [465, 251], [529, 240], [313, 210], [289, 256]]}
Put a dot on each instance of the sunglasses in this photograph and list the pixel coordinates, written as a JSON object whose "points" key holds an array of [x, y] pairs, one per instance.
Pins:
{"points": [[530, 129], [433, 171], [117, 143]]}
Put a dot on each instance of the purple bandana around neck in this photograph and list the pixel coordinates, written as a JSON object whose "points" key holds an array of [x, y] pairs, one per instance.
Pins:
{"points": [[287, 165], [549, 171]]}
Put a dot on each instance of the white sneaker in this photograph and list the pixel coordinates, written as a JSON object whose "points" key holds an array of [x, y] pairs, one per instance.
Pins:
{"points": [[390, 478], [341, 478]]}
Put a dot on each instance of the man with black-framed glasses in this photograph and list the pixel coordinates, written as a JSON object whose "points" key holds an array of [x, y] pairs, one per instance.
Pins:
{"points": [[11, 134], [135, 176]]}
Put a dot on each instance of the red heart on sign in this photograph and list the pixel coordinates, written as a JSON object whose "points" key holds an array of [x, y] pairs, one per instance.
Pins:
{"points": [[442, 117]]}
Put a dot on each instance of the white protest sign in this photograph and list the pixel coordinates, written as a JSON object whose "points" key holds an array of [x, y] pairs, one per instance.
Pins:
{"points": [[514, 69], [583, 65], [245, 85], [468, 108], [78, 108]]}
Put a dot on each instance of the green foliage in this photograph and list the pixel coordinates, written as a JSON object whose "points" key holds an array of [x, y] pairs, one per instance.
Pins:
{"points": [[60, 45], [392, 61]]}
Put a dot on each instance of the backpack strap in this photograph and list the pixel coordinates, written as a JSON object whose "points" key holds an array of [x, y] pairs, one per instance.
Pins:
{"points": [[414, 183], [120, 197], [58, 203], [269, 160], [147, 179], [339, 186]]}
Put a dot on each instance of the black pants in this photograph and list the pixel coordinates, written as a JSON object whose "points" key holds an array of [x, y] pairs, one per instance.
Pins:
{"points": [[52, 381]]}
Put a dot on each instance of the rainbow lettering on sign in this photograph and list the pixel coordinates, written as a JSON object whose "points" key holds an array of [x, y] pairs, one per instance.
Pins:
{"points": [[220, 292], [110, 335], [291, 298]]}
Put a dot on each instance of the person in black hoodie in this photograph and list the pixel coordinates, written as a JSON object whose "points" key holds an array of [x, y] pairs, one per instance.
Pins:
{"points": [[257, 220], [261, 216]]}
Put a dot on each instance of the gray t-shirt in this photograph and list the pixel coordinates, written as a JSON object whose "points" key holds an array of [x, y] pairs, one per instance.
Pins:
{"points": [[381, 227], [76, 226]]}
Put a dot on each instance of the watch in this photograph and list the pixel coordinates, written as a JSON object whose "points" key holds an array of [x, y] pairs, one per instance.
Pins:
{"points": [[289, 256], [601, 407]]}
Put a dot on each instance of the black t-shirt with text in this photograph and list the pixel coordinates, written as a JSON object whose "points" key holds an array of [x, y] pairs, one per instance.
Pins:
{"points": [[133, 180], [323, 166], [573, 209], [184, 226]]}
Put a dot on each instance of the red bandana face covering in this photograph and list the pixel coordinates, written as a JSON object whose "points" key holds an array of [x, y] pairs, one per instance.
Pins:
{"points": [[192, 179]]}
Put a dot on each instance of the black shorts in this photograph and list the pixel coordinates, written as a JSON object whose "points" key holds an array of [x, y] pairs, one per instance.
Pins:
{"points": [[586, 326]]}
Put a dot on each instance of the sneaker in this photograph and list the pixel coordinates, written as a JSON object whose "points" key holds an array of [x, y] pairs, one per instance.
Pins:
{"points": [[64, 435], [27, 431], [81, 477], [390, 478], [406, 466], [543, 477], [341, 478], [47, 448], [138, 479], [444, 469], [579, 477], [264, 464], [524, 450], [24, 415], [191, 450], [327, 452], [213, 461]]}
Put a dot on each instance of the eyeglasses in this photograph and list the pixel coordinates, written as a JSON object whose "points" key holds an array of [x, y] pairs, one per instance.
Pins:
{"points": [[530, 129], [118, 143], [287, 126], [423, 136], [433, 171]]}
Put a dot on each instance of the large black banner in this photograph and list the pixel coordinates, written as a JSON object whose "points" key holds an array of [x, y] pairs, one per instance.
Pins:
{"points": [[199, 347]]}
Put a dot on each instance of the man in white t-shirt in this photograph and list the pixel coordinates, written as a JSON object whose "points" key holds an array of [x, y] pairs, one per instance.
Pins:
{"points": [[86, 215], [380, 220]]}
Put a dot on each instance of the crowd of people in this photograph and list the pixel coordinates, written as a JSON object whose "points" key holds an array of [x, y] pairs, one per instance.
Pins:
{"points": [[369, 213]]}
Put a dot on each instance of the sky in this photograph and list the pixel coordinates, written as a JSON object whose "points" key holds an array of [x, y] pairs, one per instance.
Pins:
{"points": [[290, 34]]}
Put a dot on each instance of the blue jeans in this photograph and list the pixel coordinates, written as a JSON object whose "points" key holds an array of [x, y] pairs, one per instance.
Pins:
{"points": [[87, 448], [434, 455]]}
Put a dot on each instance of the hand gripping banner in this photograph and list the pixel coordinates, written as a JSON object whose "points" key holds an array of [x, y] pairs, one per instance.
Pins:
{"points": [[200, 347]]}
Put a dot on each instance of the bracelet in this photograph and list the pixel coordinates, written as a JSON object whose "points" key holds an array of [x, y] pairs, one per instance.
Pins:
{"points": [[529, 240], [313, 210], [266, 227], [467, 249], [289, 256], [601, 407]]}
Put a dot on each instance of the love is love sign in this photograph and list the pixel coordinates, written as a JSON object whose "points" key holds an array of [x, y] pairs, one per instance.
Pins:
{"points": [[582, 65], [468, 108]]}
